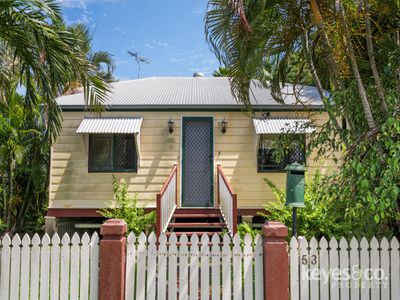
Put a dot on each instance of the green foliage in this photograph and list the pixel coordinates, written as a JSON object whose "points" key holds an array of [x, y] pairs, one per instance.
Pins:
{"points": [[24, 158], [318, 218], [3, 227], [127, 209], [332, 209], [40, 57], [244, 228]]}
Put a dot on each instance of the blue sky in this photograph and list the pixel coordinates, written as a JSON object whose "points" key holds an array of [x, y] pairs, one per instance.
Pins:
{"points": [[169, 33]]}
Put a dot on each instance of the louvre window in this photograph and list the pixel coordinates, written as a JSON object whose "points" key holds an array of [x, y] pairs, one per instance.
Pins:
{"points": [[112, 153], [266, 160]]}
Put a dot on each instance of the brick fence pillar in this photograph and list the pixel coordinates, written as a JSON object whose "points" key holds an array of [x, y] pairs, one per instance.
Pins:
{"points": [[276, 267], [112, 260]]}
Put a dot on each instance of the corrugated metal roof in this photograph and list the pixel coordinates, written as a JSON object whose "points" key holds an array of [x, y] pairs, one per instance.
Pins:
{"points": [[191, 91], [110, 125], [276, 126]]}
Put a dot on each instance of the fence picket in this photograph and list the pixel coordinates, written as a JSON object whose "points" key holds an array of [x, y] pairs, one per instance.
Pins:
{"points": [[364, 265], [385, 288], [334, 265], [194, 267], [324, 268], [151, 266], [226, 268], [215, 267], [5, 267], [130, 266], [374, 265], [35, 259], [258, 268], [45, 267], [94, 266], [64, 267], [205, 267], [55, 267], [248, 267], [141, 268], [394, 268], [344, 264], [183, 268], [294, 269], [162, 267], [74, 262], [304, 268], [84, 269], [314, 294], [15, 267], [25, 267], [354, 262], [172, 266], [237, 268]]}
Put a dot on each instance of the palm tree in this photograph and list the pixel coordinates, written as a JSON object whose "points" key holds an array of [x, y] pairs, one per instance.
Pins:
{"points": [[221, 72], [44, 57], [103, 61], [38, 58], [245, 35]]}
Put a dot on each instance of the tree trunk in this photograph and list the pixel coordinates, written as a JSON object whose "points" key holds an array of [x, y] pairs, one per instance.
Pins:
{"points": [[332, 64], [398, 69], [320, 89], [361, 89], [375, 73]]}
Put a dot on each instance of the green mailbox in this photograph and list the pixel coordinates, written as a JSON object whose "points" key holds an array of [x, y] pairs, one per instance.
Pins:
{"points": [[295, 185]]}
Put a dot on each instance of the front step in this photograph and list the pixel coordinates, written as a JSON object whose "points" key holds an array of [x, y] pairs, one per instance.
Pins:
{"points": [[197, 220], [197, 225], [197, 216]]}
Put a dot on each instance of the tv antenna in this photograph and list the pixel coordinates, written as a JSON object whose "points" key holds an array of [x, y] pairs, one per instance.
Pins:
{"points": [[139, 60]]}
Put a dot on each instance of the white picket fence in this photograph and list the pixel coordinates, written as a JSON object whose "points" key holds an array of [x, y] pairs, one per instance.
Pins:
{"points": [[194, 269], [355, 270], [49, 268]]}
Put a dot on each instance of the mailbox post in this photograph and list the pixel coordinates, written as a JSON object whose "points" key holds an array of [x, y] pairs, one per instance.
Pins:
{"points": [[295, 190]]}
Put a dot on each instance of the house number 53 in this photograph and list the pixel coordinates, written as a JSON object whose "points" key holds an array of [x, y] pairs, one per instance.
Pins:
{"points": [[313, 259]]}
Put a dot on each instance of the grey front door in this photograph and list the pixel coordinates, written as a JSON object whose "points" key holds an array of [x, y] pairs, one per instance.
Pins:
{"points": [[197, 162]]}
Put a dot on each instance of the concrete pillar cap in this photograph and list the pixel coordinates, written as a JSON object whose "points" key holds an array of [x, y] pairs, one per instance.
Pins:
{"points": [[113, 227]]}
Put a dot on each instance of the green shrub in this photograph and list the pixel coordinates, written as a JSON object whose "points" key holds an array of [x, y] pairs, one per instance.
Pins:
{"points": [[126, 208], [244, 228], [325, 213]]}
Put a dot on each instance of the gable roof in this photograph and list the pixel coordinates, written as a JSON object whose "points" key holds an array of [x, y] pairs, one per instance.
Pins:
{"points": [[193, 93]]}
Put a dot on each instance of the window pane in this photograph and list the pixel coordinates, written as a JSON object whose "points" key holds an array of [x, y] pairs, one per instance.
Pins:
{"points": [[101, 153], [125, 152], [266, 159]]}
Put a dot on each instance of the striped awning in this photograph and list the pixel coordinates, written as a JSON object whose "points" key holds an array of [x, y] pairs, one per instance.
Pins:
{"points": [[110, 125], [282, 125]]}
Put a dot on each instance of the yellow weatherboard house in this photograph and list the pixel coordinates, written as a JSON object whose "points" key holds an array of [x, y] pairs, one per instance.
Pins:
{"points": [[184, 145]]}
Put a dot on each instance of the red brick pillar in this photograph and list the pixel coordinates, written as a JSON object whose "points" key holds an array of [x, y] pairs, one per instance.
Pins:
{"points": [[112, 260], [276, 267]]}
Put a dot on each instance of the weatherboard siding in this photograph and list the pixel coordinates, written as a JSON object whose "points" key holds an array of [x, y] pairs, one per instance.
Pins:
{"points": [[72, 186]]}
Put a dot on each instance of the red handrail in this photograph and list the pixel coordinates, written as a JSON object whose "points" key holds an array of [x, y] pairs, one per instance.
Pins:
{"points": [[228, 185], [234, 197], [159, 197], [171, 174]]}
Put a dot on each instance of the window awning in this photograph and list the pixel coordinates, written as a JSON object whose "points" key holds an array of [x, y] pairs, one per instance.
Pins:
{"points": [[110, 125], [113, 125], [282, 125]]}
